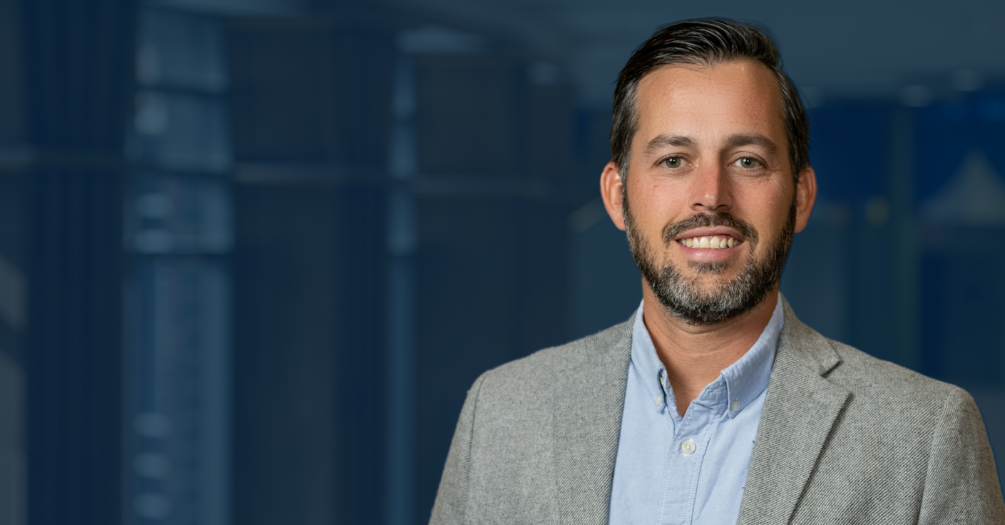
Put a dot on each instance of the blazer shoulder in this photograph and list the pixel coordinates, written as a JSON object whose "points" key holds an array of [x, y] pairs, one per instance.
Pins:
{"points": [[873, 380], [539, 367], [923, 424]]}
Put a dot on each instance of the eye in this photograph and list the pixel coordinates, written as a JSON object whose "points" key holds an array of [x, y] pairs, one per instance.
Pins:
{"points": [[673, 162], [748, 163]]}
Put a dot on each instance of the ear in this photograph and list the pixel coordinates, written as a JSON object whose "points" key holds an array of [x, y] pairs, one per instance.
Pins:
{"points": [[806, 195], [610, 191]]}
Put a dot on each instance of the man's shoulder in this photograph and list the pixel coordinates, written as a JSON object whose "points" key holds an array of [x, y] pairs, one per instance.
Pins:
{"points": [[876, 425], [516, 400], [541, 368], [891, 389], [859, 369], [876, 384]]}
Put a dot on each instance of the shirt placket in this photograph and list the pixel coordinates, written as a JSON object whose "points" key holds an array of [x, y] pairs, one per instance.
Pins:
{"points": [[691, 435]]}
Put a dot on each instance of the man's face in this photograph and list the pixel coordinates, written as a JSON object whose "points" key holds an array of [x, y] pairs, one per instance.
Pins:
{"points": [[709, 202]]}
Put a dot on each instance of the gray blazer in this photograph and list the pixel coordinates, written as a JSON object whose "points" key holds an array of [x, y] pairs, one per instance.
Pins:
{"points": [[844, 438]]}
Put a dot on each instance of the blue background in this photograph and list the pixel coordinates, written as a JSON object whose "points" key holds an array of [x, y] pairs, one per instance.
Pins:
{"points": [[254, 252]]}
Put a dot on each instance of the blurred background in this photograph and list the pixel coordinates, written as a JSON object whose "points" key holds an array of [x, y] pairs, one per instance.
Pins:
{"points": [[254, 252]]}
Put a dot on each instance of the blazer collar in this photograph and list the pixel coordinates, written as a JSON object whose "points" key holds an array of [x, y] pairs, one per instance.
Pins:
{"points": [[800, 410], [589, 398]]}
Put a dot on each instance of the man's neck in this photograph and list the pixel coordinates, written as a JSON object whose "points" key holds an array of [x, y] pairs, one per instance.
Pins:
{"points": [[695, 355]]}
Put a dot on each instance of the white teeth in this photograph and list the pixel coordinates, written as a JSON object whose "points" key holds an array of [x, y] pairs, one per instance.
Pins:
{"points": [[715, 243]]}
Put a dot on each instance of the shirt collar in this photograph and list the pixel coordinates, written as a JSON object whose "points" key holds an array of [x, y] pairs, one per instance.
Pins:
{"points": [[744, 380]]}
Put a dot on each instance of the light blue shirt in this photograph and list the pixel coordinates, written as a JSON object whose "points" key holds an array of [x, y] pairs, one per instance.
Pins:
{"points": [[690, 470]]}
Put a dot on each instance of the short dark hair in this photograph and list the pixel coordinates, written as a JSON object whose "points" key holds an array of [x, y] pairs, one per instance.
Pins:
{"points": [[705, 42]]}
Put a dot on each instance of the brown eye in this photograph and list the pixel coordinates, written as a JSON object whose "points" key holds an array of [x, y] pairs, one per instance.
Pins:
{"points": [[673, 162]]}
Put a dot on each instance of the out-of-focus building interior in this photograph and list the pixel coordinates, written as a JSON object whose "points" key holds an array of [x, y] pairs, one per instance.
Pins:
{"points": [[254, 252]]}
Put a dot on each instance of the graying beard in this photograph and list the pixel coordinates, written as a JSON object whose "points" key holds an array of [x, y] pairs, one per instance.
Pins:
{"points": [[711, 268], [684, 300], [687, 302]]}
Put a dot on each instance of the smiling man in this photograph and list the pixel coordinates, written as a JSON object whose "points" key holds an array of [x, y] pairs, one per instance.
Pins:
{"points": [[713, 404]]}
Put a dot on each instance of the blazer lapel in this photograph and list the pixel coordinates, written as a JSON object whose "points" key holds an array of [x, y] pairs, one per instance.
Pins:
{"points": [[800, 409], [589, 400]]}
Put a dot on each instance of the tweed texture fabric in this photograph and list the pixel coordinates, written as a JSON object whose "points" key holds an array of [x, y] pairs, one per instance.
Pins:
{"points": [[843, 438]]}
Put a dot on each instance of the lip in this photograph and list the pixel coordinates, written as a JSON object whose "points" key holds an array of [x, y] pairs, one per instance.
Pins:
{"points": [[709, 232]]}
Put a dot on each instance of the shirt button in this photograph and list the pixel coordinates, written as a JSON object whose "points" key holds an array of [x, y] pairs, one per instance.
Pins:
{"points": [[736, 405], [659, 400], [687, 447]]}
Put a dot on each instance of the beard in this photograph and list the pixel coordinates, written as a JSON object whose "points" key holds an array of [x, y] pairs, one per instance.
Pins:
{"points": [[684, 298]]}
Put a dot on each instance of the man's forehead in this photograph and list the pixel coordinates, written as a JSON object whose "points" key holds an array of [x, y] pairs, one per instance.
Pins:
{"points": [[753, 75], [743, 94]]}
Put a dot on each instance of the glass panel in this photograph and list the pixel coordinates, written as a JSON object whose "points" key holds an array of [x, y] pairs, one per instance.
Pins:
{"points": [[180, 132], [166, 214], [177, 380], [181, 51]]}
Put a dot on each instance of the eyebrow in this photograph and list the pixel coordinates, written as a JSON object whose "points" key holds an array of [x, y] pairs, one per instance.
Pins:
{"points": [[663, 141], [733, 141], [738, 141]]}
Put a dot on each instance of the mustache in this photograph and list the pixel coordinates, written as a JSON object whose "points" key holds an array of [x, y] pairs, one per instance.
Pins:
{"points": [[704, 220]]}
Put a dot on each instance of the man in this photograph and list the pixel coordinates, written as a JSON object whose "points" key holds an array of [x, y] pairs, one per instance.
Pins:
{"points": [[713, 404]]}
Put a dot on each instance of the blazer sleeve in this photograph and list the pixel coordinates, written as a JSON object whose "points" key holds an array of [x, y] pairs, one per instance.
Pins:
{"points": [[452, 497], [962, 483]]}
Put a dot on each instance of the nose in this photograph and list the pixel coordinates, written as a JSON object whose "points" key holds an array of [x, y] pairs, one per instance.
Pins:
{"points": [[710, 190]]}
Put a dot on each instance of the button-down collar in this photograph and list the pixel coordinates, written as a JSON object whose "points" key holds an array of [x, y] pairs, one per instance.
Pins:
{"points": [[736, 386]]}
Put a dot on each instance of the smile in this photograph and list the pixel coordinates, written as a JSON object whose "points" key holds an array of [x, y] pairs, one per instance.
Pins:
{"points": [[716, 242]]}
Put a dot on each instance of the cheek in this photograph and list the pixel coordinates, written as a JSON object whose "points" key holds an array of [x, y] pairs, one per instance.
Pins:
{"points": [[771, 222], [766, 208], [655, 204]]}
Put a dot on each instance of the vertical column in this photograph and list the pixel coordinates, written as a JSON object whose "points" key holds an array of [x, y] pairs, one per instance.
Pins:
{"points": [[402, 240], [178, 234], [906, 250], [13, 282], [871, 301], [361, 388], [311, 115], [77, 60], [490, 265], [11, 77], [13, 319]]}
